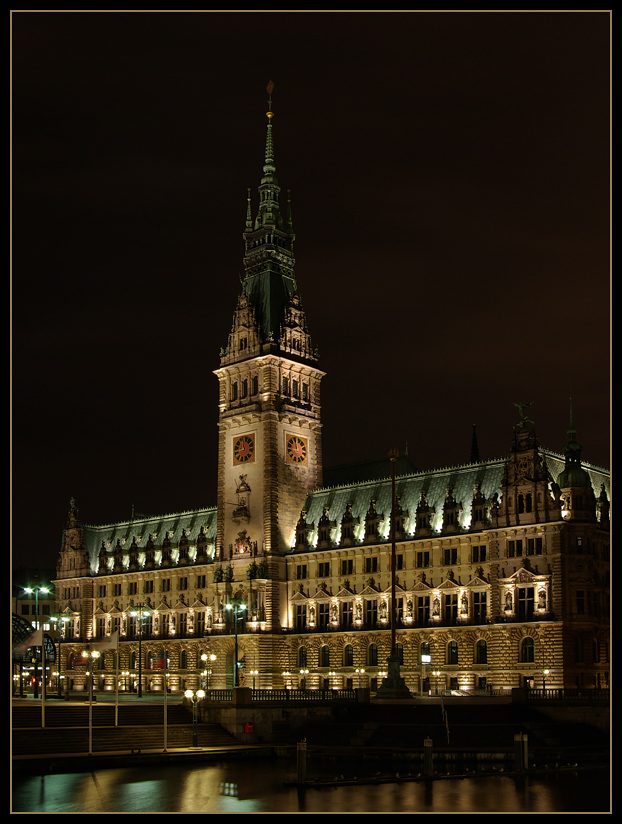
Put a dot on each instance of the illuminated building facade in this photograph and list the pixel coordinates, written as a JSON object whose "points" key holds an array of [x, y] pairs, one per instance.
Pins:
{"points": [[502, 566]]}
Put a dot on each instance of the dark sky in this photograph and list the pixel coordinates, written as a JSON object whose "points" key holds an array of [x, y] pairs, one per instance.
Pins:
{"points": [[450, 182]]}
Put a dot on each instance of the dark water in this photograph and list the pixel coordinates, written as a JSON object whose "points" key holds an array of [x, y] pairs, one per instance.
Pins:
{"points": [[260, 786]]}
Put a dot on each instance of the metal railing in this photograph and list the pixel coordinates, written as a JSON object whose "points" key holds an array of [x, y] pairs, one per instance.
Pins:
{"points": [[279, 695], [568, 694]]}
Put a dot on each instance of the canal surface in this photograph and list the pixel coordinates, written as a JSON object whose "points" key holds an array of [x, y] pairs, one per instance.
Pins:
{"points": [[260, 786]]}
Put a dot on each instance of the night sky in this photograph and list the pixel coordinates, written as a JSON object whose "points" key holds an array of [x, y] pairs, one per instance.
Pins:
{"points": [[450, 185]]}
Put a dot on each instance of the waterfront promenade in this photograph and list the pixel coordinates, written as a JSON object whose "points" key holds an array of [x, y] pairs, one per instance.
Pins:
{"points": [[58, 734]]}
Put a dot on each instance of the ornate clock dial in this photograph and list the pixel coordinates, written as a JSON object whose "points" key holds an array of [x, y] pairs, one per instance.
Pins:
{"points": [[297, 449], [244, 449]]}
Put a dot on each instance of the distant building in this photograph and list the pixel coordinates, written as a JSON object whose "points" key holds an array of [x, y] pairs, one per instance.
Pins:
{"points": [[502, 566]]}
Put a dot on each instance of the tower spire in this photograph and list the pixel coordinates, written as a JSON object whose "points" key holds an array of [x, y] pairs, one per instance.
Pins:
{"points": [[474, 446]]}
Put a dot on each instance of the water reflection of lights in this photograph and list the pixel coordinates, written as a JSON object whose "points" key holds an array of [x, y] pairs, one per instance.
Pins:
{"points": [[229, 788]]}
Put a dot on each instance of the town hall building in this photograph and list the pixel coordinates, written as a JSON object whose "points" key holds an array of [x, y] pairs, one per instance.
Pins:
{"points": [[487, 575]]}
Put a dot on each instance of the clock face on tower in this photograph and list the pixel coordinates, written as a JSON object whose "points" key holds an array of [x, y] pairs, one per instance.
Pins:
{"points": [[244, 449], [296, 450]]}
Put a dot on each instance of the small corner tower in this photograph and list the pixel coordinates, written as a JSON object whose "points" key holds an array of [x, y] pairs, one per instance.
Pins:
{"points": [[73, 559], [576, 490]]}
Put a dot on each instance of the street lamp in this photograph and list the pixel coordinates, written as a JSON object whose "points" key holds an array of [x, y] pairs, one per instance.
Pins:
{"points": [[254, 673], [58, 620], [360, 672], [92, 655], [194, 698], [141, 611], [544, 674], [426, 658], [36, 591], [303, 682], [207, 672], [437, 675], [236, 607]]}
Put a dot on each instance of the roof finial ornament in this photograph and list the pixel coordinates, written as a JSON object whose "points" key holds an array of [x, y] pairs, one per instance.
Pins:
{"points": [[270, 89], [524, 420]]}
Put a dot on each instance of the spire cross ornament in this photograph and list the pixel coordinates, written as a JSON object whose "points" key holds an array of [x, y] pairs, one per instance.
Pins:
{"points": [[270, 89]]}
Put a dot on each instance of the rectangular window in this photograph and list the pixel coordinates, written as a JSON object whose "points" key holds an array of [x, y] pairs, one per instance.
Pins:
{"points": [[525, 602], [515, 549], [323, 615], [166, 584], [423, 610], [183, 583], [148, 586], [102, 590], [450, 556], [301, 616], [117, 589], [371, 613], [301, 571], [200, 623], [399, 562], [183, 623], [534, 546], [347, 566], [479, 607], [580, 602], [479, 554], [371, 565], [346, 614], [423, 559], [323, 569], [451, 608], [200, 581]]}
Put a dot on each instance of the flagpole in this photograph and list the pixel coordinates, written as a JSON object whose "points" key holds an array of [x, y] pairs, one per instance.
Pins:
{"points": [[165, 712], [43, 685], [116, 688]]}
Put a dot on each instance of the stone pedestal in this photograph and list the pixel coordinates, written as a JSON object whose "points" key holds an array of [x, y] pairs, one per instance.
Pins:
{"points": [[393, 686]]}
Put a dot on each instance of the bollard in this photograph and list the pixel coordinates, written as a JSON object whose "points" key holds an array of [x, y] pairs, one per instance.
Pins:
{"points": [[301, 761], [521, 751], [428, 757]]}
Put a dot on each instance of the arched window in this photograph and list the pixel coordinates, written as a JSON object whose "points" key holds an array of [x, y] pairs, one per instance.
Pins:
{"points": [[452, 652], [481, 652], [302, 656], [183, 661], [348, 656], [325, 656], [425, 651], [527, 651], [372, 655]]}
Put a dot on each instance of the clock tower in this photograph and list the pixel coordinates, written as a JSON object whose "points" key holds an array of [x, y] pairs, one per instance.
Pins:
{"points": [[270, 453]]}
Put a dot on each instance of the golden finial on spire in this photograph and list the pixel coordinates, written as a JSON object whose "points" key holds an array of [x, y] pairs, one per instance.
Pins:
{"points": [[269, 89]]}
